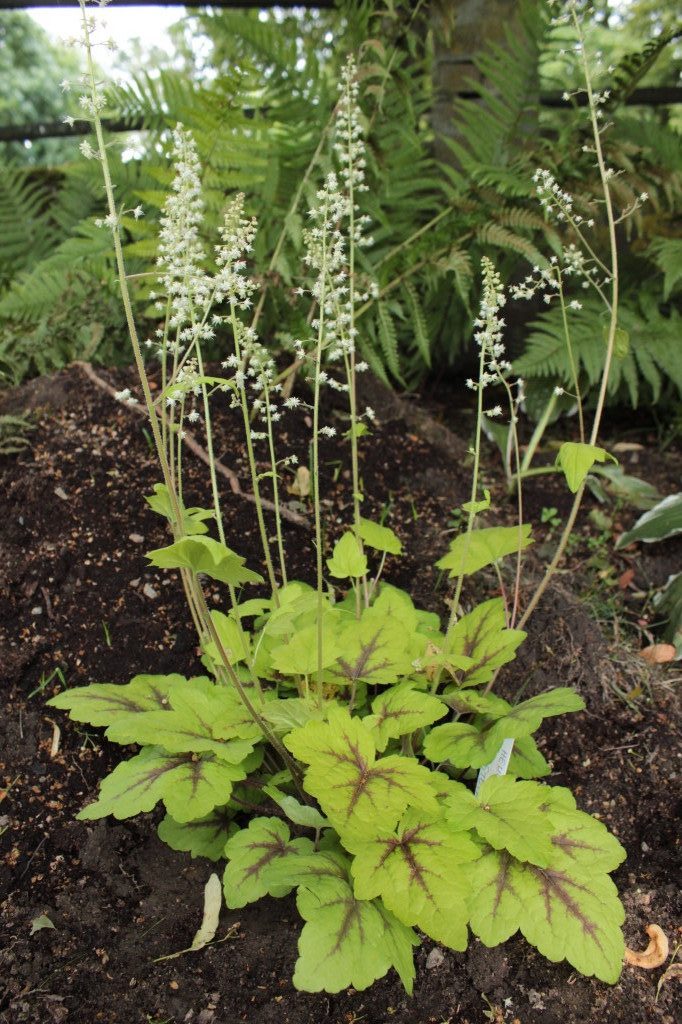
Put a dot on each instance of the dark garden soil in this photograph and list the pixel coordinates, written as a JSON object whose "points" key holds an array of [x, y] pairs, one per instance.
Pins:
{"points": [[80, 605]]}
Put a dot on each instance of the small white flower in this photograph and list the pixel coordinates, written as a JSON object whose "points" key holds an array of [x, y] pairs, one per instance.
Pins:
{"points": [[558, 392]]}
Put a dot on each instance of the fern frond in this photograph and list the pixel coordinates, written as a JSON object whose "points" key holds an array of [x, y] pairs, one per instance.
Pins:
{"points": [[667, 255], [418, 322], [500, 237]]}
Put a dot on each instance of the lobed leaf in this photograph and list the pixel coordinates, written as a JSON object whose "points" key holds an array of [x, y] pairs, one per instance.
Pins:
{"points": [[401, 710], [470, 552], [205, 555], [482, 636], [205, 837], [576, 460], [103, 703], [348, 560], [420, 873], [356, 791], [193, 519], [251, 854], [381, 538], [190, 786]]}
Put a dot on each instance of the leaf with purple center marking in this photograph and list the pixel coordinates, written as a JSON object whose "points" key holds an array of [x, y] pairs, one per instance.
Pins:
{"points": [[421, 873], [482, 635], [356, 790], [401, 710], [251, 854], [103, 703], [205, 837], [190, 786]]}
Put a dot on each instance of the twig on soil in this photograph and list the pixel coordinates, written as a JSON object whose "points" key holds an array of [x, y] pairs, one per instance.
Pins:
{"points": [[190, 442]]}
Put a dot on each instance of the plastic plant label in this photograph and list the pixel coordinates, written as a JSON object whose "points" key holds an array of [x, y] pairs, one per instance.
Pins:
{"points": [[498, 765]]}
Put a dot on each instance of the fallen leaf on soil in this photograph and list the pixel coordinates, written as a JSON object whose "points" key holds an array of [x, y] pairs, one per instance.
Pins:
{"points": [[655, 954], [213, 899], [674, 971], [626, 578], [38, 923], [658, 654], [301, 485]]}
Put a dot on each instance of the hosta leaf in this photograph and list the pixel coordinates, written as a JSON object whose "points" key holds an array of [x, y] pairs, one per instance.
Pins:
{"points": [[568, 913], [662, 521], [210, 718], [376, 648], [419, 871], [524, 718], [576, 460], [189, 786], [193, 519], [251, 853], [205, 837], [348, 559], [381, 538], [482, 635], [347, 941], [204, 555], [104, 703], [356, 790], [401, 710], [470, 552]]}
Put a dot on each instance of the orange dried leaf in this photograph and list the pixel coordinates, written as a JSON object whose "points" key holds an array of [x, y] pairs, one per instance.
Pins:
{"points": [[658, 654], [654, 955]]}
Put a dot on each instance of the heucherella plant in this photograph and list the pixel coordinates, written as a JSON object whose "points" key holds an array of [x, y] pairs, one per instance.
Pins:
{"points": [[330, 743]]}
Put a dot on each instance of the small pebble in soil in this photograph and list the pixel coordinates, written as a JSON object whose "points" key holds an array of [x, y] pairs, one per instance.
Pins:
{"points": [[434, 959], [149, 592], [136, 538], [37, 610]]}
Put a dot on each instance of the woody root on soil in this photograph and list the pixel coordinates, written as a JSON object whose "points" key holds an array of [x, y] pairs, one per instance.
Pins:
{"points": [[341, 741]]}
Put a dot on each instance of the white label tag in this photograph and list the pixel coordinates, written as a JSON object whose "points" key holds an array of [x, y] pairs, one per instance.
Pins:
{"points": [[498, 765]]}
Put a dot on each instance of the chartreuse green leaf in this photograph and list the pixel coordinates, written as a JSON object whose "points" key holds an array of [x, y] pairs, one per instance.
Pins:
{"points": [[234, 641], [345, 941], [193, 519], [205, 837], [293, 712], [525, 718], [189, 785], [482, 635], [204, 555], [206, 718], [300, 814], [508, 814], [470, 552], [251, 853], [576, 460], [569, 909], [401, 710], [298, 655], [471, 745], [357, 791], [104, 703], [376, 648], [348, 560], [381, 538], [420, 872], [526, 761]]}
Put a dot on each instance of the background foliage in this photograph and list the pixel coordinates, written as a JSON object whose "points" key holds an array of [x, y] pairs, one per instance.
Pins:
{"points": [[258, 94]]}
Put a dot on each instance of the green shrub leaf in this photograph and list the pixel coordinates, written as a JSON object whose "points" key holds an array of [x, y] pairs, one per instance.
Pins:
{"points": [[482, 636], [348, 560], [190, 786], [205, 837], [419, 872], [470, 552], [193, 519], [576, 460], [381, 538], [103, 703], [250, 854], [356, 791], [204, 555], [401, 710]]}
